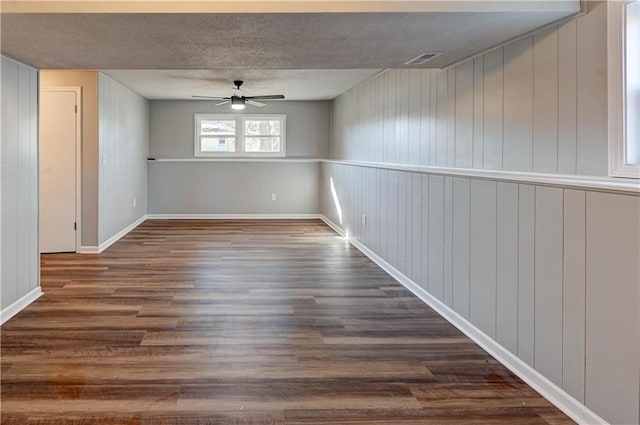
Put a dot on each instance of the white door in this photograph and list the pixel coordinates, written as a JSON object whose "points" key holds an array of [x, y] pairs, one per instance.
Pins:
{"points": [[58, 171]]}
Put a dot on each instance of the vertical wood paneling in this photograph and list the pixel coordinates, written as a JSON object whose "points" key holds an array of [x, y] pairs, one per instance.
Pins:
{"points": [[448, 241], [393, 203], [548, 282], [507, 266], [526, 273], [414, 117], [417, 257], [460, 276], [612, 308], [433, 121], [10, 194], [34, 265], [403, 116], [545, 101], [24, 248], [436, 236], [19, 179], [389, 116], [567, 97], [384, 212], [442, 118], [464, 103], [573, 299], [478, 112], [537, 104], [402, 222], [518, 94], [425, 120], [592, 91], [493, 109], [123, 118], [451, 116], [424, 281], [511, 258], [482, 260]]}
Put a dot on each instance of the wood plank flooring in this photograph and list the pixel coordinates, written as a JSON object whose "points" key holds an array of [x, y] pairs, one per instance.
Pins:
{"points": [[244, 322]]}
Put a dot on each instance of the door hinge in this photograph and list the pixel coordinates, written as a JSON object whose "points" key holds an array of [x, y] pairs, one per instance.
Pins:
{"points": [[75, 226], [76, 109]]}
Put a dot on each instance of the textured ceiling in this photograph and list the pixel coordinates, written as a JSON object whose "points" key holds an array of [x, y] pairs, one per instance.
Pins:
{"points": [[258, 41], [305, 84]]}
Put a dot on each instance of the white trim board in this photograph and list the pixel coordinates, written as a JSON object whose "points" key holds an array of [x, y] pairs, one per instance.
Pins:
{"points": [[15, 308], [593, 183], [233, 216], [115, 238], [85, 249], [244, 159], [554, 394]]}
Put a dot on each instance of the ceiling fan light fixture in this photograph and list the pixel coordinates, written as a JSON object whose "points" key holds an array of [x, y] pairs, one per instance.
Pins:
{"points": [[237, 103]]}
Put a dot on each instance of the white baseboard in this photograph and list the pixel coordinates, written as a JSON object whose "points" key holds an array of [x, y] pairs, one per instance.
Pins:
{"points": [[233, 216], [556, 395], [115, 238], [89, 250], [120, 234], [19, 305]]}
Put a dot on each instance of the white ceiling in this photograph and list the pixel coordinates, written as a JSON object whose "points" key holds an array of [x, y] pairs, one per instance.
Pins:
{"points": [[304, 49], [269, 40], [305, 84]]}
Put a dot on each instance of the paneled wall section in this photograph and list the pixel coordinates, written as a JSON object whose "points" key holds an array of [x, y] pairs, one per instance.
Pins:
{"points": [[124, 146], [551, 274], [19, 253], [535, 105]]}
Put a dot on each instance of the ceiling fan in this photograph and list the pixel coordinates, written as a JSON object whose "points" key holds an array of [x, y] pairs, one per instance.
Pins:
{"points": [[238, 101]]}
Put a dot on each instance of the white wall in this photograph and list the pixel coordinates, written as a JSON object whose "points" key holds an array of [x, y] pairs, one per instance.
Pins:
{"points": [[243, 187], [172, 124], [539, 104], [549, 273], [20, 268], [123, 117]]}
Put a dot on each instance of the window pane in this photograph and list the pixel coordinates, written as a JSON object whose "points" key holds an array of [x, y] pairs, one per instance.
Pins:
{"points": [[215, 127], [262, 127], [632, 45], [218, 144], [262, 144]]}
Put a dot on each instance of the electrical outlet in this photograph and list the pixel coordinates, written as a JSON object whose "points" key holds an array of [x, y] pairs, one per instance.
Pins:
{"points": [[273, 196], [364, 220], [135, 202]]}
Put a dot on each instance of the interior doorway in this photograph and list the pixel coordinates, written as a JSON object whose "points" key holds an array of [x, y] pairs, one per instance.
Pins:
{"points": [[60, 154]]}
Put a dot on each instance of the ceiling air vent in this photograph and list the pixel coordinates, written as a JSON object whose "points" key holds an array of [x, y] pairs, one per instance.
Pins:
{"points": [[421, 59]]}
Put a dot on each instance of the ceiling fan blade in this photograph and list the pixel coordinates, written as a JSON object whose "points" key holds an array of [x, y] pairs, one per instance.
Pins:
{"points": [[210, 97], [254, 103], [221, 103], [268, 97]]}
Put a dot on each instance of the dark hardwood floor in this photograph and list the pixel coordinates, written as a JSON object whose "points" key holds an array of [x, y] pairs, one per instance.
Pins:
{"points": [[244, 322]]}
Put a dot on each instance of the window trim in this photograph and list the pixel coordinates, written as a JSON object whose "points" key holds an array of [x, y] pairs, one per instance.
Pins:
{"points": [[616, 66], [240, 136]]}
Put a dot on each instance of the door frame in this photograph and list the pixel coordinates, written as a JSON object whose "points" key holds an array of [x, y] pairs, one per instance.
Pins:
{"points": [[78, 186]]}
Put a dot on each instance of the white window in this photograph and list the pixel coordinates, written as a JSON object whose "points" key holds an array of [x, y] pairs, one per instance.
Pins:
{"points": [[229, 135], [624, 88]]}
